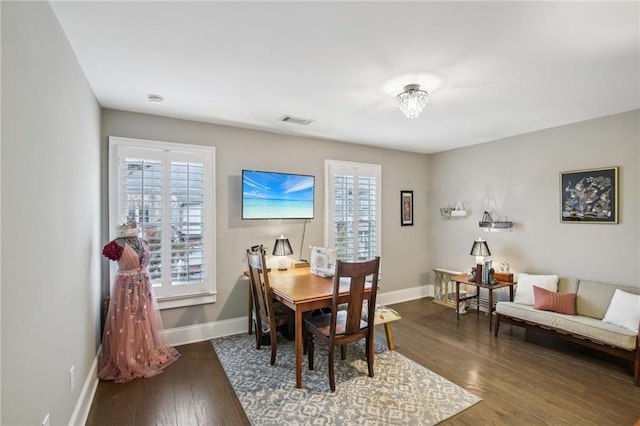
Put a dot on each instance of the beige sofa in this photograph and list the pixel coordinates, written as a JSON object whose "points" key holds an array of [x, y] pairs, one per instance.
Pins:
{"points": [[586, 327]]}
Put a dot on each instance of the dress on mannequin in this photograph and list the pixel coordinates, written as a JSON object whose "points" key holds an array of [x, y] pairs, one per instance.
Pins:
{"points": [[132, 346]]}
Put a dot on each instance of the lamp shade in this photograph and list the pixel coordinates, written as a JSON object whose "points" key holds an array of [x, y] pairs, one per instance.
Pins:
{"points": [[282, 247], [480, 248]]}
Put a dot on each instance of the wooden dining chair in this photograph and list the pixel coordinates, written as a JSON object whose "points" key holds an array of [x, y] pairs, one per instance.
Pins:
{"points": [[341, 327], [266, 310]]}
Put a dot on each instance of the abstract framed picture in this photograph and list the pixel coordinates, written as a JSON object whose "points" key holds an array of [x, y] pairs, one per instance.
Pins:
{"points": [[406, 208], [589, 196]]}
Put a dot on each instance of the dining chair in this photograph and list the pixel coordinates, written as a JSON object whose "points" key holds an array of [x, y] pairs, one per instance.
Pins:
{"points": [[341, 327], [266, 310]]}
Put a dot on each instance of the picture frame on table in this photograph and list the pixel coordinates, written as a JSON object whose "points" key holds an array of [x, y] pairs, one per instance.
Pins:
{"points": [[589, 196], [406, 208]]}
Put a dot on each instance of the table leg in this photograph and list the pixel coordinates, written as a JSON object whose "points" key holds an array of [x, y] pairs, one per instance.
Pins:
{"points": [[457, 301], [490, 307], [511, 293], [299, 344]]}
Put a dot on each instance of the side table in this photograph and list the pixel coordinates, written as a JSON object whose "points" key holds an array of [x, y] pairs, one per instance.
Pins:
{"points": [[464, 279]]}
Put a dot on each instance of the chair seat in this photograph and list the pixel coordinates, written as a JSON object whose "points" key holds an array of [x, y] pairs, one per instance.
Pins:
{"points": [[323, 322], [383, 315]]}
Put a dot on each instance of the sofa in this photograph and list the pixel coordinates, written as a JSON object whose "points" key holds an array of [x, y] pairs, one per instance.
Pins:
{"points": [[602, 316]]}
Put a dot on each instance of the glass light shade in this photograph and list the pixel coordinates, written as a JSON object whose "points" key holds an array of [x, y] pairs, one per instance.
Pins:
{"points": [[282, 247], [412, 101]]}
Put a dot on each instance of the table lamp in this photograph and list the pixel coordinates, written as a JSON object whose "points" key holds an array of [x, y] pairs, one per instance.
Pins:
{"points": [[480, 249], [282, 248]]}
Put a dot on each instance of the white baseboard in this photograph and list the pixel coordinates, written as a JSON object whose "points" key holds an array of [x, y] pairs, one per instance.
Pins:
{"points": [[404, 295], [206, 331], [83, 405]]}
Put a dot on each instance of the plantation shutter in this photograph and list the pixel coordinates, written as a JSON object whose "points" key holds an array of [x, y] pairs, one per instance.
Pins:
{"points": [[141, 199], [353, 210], [187, 189]]}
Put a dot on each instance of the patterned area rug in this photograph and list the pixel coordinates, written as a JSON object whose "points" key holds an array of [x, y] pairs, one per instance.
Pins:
{"points": [[400, 393]]}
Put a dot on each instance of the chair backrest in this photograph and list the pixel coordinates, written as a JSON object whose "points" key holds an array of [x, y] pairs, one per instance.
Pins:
{"points": [[356, 274], [259, 278]]}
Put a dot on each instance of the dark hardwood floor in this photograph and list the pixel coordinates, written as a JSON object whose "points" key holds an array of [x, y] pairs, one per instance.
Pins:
{"points": [[523, 378]]}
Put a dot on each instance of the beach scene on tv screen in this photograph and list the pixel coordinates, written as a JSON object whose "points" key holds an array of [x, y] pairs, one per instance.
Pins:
{"points": [[270, 195]]}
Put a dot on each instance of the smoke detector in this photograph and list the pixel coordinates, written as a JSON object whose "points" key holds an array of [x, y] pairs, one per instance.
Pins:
{"points": [[296, 120], [155, 99]]}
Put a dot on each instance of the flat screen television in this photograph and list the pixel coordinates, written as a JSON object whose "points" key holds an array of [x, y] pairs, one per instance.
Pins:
{"points": [[274, 195]]}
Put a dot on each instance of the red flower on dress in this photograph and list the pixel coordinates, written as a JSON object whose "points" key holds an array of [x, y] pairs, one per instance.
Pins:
{"points": [[112, 250]]}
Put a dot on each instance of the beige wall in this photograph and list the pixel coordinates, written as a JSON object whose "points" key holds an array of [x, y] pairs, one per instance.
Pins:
{"points": [[518, 177], [404, 249], [50, 219]]}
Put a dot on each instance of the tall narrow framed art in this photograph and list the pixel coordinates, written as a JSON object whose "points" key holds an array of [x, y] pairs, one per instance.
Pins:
{"points": [[406, 208]]}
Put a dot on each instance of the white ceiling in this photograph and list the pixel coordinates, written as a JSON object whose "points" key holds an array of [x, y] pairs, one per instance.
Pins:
{"points": [[493, 69]]}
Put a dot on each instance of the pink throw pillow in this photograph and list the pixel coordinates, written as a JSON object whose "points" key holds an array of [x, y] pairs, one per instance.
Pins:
{"points": [[545, 300]]}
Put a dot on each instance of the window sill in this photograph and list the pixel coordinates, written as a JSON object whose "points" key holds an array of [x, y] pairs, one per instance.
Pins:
{"points": [[186, 300]]}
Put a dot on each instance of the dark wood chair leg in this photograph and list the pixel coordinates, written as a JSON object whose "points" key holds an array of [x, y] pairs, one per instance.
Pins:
{"points": [[258, 332], [332, 377], [370, 355], [274, 344], [309, 345], [343, 352], [636, 367], [495, 332]]}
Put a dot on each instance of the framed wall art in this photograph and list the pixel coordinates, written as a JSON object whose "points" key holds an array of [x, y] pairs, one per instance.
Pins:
{"points": [[406, 208], [589, 196]]}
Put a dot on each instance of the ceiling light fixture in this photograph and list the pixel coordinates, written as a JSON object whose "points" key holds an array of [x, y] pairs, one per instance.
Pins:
{"points": [[155, 99], [412, 100]]}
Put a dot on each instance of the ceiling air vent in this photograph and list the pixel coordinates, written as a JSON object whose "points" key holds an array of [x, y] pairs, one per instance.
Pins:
{"points": [[295, 120]]}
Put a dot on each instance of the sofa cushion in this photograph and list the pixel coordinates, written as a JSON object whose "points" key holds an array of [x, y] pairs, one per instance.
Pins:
{"points": [[567, 285], [593, 298], [591, 328], [524, 288], [564, 303], [624, 310]]}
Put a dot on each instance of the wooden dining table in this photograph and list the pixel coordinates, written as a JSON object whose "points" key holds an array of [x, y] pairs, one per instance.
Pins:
{"points": [[303, 292]]}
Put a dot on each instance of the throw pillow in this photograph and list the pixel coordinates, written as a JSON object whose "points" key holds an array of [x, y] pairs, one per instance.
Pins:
{"points": [[624, 310], [524, 288], [545, 300]]}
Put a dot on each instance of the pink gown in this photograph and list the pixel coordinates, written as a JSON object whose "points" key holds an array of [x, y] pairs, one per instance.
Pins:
{"points": [[132, 346]]}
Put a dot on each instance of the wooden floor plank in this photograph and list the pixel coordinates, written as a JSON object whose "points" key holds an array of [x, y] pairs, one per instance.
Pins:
{"points": [[522, 377]]}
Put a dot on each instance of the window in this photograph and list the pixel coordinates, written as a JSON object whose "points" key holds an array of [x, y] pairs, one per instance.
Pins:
{"points": [[353, 209], [168, 189]]}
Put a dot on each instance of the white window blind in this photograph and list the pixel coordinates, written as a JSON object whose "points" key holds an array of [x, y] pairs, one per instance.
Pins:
{"points": [[353, 209], [168, 189]]}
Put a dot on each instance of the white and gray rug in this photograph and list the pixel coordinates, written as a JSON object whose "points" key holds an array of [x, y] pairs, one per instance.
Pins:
{"points": [[401, 392]]}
